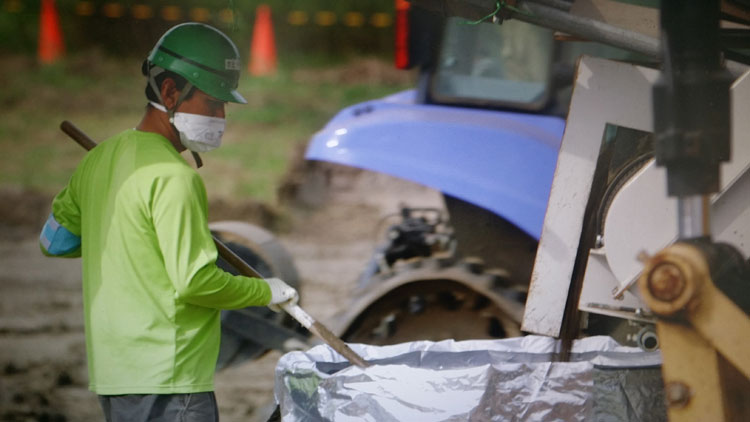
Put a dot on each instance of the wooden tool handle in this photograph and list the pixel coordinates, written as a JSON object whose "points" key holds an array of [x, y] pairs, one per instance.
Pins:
{"points": [[295, 311], [77, 135]]}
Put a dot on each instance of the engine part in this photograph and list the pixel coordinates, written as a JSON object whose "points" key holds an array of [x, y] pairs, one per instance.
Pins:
{"points": [[419, 233]]}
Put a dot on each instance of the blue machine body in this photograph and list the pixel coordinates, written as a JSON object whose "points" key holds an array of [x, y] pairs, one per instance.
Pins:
{"points": [[499, 160]]}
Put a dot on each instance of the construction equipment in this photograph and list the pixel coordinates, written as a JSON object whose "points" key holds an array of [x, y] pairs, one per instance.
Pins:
{"points": [[247, 270], [605, 209], [698, 322], [607, 202], [483, 127]]}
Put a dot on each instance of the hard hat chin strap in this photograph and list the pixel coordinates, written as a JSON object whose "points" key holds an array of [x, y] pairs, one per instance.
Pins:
{"points": [[186, 90], [155, 71]]}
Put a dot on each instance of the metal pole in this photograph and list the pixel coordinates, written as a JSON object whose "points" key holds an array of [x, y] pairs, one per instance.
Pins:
{"points": [[693, 216], [553, 18], [552, 14], [557, 4], [691, 110]]}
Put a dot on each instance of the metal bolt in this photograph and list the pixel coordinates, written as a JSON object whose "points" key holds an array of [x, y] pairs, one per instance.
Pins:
{"points": [[599, 243], [647, 339], [677, 394], [666, 282]]}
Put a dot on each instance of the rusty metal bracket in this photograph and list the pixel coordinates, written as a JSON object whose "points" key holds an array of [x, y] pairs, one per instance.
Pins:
{"points": [[703, 335]]}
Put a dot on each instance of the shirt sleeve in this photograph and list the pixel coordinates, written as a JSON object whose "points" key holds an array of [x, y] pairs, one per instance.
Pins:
{"points": [[179, 213], [56, 240], [61, 234]]}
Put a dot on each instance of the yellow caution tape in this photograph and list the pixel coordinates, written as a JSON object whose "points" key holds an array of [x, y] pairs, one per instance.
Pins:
{"points": [[297, 18], [113, 10], [171, 13], [325, 18], [354, 19], [142, 11]]}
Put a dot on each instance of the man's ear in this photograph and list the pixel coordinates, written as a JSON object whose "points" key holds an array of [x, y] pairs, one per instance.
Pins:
{"points": [[169, 93]]}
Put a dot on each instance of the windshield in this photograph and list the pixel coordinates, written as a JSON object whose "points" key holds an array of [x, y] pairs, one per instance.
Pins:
{"points": [[505, 65]]}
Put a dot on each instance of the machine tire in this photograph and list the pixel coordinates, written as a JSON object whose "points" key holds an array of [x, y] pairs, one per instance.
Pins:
{"points": [[263, 251], [435, 299]]}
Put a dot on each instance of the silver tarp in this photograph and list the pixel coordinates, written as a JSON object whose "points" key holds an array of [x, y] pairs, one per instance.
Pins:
{"points": [[516, 379]]}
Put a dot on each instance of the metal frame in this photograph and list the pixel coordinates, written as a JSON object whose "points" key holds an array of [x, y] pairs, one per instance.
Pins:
{"points": [[596, 102], [703, 337], [604, 92]]}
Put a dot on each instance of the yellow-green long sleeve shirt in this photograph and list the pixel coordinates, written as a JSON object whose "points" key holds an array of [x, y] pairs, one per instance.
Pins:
{"points": [[152, 292]]}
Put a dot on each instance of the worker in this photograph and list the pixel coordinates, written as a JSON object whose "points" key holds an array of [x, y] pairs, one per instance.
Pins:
{"points": [[136, 212]]}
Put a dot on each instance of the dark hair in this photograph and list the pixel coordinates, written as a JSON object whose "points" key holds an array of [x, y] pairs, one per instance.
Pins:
{"points": [[179, 81]]}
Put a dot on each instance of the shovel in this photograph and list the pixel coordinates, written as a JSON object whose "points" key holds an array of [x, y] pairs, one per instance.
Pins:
{"points": [[245, 269]]}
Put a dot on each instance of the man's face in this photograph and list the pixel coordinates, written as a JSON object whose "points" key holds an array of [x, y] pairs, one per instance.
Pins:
{"points": [[201, 103]]}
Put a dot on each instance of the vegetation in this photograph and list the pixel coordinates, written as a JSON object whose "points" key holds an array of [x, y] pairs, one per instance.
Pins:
{"points": [[103, 95]]}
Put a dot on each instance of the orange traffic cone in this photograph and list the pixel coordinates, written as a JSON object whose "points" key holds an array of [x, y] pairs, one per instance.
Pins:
{"points": [[263, 46], [51, 45]]}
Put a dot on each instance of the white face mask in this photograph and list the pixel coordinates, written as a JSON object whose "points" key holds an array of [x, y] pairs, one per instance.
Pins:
{"points": [[198, 133]]}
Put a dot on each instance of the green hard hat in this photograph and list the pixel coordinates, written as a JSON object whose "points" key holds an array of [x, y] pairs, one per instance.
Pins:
{"points": [[204, 56]]}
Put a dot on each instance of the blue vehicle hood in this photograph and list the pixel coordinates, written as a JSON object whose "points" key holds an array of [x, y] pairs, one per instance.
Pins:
{"points": [[499, 160]]}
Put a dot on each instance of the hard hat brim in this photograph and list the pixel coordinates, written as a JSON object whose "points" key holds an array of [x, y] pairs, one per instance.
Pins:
{"points": [[236, 97]]}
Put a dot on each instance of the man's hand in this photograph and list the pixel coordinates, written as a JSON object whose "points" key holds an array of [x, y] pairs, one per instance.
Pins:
{"points": [[281, 293]]}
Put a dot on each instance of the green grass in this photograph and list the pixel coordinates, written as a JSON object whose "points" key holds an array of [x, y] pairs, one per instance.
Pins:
{"points": [[104, 95]]}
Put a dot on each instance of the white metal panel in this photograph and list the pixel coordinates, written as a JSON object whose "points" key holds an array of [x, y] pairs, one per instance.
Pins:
{"points": [[604, 92], [643, 218], [732, 216]]}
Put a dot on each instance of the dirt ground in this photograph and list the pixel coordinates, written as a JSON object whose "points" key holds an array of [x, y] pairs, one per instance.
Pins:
{"points": [[330, 224]]}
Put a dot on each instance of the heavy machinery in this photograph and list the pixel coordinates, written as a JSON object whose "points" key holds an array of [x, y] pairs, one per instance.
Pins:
{"points": [[487, 106], [690, 223], [483, 127], [555, 200]]}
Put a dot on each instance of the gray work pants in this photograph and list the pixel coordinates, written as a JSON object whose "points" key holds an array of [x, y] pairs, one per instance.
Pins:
{"points": [[193, 407]]}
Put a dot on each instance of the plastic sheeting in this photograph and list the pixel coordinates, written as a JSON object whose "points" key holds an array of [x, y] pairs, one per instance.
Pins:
{"points": [[516, 379]]}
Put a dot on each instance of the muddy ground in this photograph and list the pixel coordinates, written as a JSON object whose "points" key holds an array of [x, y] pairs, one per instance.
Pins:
{"points": [[327, 220]]}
